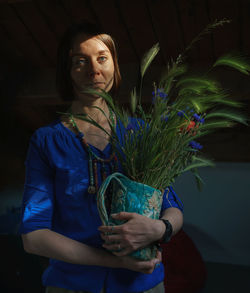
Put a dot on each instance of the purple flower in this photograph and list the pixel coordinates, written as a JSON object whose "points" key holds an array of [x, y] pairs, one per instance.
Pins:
{"points": [[195, 145], [198, 118]]}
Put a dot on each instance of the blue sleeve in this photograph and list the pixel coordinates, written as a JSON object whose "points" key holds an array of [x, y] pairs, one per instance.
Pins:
{"points": [[171, 200], [37, 204]]}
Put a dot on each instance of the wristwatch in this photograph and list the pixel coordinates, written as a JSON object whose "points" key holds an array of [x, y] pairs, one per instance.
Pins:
{"points": [[168, 232]]}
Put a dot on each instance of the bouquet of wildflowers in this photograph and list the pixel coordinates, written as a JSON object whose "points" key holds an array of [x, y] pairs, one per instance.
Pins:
{"points": [[162, 141]]}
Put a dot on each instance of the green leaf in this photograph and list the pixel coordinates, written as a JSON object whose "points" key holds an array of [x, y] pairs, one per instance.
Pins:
{"points": [[133, 100], [199, 162], [168, 77], [228, 115], [229, 103], [199, 83], [205, 31], [236, 62], [91, 121], [217, 124], [148, 58], [197, 106], [198, 179], [102, 94], [203, 160]]}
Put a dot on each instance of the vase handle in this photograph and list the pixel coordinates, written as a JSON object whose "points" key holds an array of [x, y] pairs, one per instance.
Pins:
{"points": [[101, 195]]}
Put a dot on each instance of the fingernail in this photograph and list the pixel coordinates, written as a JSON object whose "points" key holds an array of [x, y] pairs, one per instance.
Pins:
{"points": [[113, 215]]}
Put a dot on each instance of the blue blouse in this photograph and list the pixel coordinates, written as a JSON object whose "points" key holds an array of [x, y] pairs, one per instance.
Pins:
{"points": [[56, 197]]}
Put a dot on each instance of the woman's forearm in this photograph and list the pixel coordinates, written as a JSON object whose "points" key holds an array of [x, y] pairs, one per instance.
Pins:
{"points": [[50, 244], [175, 217]]}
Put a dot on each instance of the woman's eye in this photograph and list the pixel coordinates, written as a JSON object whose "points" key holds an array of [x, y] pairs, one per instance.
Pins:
{"points": [[102, 59], [79, 62], [82, 61]]}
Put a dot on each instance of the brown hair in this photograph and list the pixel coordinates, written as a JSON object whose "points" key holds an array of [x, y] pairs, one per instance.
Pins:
{"points": [[63, 78]]}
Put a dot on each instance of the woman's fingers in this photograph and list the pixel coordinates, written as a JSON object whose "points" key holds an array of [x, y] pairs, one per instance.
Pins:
{"points": [[110, 238], [159, 255], [123, 251], [116, 243], [114, 247], [138, 231], [111, 229], [149, 266], [146, 267], [118, 248]]}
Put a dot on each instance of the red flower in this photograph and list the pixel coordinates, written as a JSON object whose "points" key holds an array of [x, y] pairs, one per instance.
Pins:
{"points": [[190, 127]]}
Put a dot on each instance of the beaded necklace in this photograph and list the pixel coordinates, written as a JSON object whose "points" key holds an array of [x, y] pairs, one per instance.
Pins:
{"points": [[93, 159]]}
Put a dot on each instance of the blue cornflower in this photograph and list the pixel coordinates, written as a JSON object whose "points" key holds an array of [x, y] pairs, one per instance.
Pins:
{"points": [[162, 95], [164, 118], [159, 94], [198, 118], [130, 127], [181, 113], [188, 109], [195, 145]]}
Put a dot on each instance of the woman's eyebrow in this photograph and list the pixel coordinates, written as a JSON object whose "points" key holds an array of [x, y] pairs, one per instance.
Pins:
{"points": [[78, 55], [103, 51], [83, 55]]}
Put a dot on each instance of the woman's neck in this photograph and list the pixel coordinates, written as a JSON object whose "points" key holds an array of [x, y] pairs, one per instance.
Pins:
{"points": [[90, 108]]}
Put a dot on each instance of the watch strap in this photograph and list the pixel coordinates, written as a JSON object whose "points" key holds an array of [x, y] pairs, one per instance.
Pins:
{"points": [[168, 232]]}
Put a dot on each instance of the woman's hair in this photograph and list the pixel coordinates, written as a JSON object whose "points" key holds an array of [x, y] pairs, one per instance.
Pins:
{"points": [[63, 78]]}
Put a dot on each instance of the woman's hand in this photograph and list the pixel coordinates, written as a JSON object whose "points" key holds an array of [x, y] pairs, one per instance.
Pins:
{"points": [[139, 231], [145, 267]]}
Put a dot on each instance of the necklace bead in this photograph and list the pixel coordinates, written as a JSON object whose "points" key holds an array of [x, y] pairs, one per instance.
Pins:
{"points": [[94, 159]]}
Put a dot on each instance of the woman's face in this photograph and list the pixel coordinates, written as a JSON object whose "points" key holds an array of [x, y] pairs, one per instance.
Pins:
{"points": [[92, 64]]}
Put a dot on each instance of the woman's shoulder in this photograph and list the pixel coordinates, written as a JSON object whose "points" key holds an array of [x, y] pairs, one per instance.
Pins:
{"points": [[52, 131]]}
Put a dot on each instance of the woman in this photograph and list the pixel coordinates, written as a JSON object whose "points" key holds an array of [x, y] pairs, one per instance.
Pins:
{"points": [[60, 217]]}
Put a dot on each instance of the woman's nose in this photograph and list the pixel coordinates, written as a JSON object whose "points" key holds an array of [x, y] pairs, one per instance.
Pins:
{"points": [[94, 68]]}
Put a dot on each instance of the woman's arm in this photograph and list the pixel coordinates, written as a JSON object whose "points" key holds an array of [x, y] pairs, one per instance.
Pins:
{"points": [[50, 244], [175, 217]]}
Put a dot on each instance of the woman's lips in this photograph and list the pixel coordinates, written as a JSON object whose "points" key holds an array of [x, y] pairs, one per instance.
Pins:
{"points": [[95, 84], [98, 84]]}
